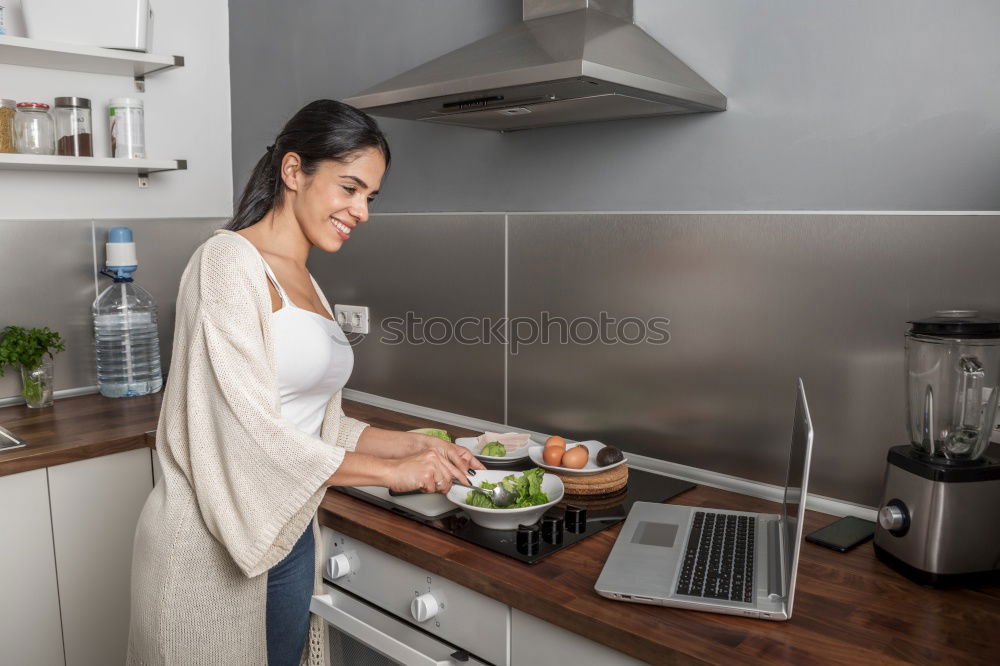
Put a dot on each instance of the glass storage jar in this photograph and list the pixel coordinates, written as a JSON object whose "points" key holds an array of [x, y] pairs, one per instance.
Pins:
{"points": [[7, 110], [33, 130], [73, 127]]}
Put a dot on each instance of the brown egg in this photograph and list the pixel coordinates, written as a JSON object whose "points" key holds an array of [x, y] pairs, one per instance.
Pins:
{"points": [[556, 441], [576, 457], [552, 455]]}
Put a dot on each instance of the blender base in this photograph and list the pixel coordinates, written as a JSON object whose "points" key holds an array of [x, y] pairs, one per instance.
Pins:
{"points": [[937, 580]]}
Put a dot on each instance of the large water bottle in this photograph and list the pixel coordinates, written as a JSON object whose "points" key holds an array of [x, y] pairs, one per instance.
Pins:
{"points": [[128, 344]]}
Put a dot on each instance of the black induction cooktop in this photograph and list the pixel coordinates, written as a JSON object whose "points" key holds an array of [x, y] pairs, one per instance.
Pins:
{"points": [[565, 524]]}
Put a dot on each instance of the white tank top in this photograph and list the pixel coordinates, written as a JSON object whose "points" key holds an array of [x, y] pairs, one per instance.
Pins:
{"points": [[314, 361]]}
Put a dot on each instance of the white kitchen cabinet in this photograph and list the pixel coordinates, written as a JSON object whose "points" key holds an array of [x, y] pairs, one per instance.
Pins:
{"points": [[534, 641], [95, 508], [29, 605]]}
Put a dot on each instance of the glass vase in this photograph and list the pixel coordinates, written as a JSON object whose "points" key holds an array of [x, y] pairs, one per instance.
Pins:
{"points": [[38, 382]]}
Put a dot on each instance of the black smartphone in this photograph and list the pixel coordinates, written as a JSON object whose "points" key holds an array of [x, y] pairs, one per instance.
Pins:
{"points": [[843, 534]]}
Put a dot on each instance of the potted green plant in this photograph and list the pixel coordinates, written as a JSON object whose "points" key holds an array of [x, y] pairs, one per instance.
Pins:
{"points": [[27, 349]]}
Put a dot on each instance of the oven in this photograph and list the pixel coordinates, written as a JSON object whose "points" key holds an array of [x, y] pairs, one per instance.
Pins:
{"points": [[381, 610]]}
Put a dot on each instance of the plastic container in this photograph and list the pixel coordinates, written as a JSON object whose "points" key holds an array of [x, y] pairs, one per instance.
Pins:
{"points": [[125, 332], [74, 133], [34, 133], [8, 109], [127, 127]]}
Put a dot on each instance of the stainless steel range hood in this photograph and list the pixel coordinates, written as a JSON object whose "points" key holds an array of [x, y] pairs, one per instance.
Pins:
{"points": [[569, 61]]}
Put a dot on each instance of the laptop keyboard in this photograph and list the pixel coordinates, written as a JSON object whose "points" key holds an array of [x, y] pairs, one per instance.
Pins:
{"points": [[718, 563]]}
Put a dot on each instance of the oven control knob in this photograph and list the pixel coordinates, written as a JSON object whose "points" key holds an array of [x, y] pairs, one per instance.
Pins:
{"points": [[338, 566], [894, 518], [424, 607]]}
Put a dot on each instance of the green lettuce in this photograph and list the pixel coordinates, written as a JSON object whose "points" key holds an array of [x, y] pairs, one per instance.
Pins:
{"points": [[495, 449], [527, 487], [480, 500], [434, 432]]}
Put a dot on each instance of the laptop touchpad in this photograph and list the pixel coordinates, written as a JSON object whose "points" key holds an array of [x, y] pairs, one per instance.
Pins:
{"points": [[655, 534]]}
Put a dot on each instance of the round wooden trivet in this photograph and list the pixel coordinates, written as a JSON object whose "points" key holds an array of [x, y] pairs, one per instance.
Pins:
{"points": [[595, 502], [601, 483]]}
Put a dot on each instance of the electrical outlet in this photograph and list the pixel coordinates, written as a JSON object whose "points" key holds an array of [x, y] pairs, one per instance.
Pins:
{"points": [[352, 318]]}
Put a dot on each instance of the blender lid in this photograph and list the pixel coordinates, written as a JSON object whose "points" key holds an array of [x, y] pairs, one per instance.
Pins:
{"points": [[957, 324]]}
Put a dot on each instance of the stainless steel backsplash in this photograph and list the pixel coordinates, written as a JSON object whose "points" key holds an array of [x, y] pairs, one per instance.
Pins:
{"points": [[753, 302], [48, 272], [433, 266]]}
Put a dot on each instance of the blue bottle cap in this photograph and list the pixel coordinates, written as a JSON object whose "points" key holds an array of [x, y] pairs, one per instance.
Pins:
{"points": [[121, 260], [120, 235]]}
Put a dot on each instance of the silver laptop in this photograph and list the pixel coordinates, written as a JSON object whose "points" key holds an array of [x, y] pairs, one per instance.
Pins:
{"points": [[717, 561]]}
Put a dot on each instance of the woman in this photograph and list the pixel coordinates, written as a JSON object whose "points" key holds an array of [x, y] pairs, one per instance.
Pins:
{"points": [[251, 429]]}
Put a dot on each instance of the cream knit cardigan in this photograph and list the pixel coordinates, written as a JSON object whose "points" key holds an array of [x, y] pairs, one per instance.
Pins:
{"points": [[239, 483]]}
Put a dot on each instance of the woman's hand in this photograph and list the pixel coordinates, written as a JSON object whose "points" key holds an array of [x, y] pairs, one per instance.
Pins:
{"points": [[459, 456], [404, 461], [429, 470]]}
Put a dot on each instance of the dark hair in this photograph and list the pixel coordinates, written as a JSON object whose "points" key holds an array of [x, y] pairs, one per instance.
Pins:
{"points": [[322, 130]]}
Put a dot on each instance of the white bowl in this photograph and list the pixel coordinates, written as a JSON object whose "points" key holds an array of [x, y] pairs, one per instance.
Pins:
{"points": [[505, 519]]}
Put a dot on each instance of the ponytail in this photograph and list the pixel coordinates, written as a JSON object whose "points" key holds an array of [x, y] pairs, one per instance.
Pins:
{"points": [[321, 130], [259, 194]]}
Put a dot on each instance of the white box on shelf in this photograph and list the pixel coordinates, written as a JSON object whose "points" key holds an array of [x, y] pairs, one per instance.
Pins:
{"points": [[114, 24], [11, 20]]}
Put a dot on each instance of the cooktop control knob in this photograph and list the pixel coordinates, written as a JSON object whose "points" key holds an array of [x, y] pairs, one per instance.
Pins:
{"points": [[894, 518], [338, 566], [576, 519], [424, 607], [552, 529], [526, 539]]}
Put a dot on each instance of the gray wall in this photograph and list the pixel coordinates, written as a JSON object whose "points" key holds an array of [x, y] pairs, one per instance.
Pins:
{"points": [[48, 269], [847, 106]]}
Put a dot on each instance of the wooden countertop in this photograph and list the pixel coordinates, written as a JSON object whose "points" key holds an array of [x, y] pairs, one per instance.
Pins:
{"points": [[77, 428], [849, 608]]}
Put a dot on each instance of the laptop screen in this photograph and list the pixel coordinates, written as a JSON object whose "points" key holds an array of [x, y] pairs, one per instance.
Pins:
{"points": [[793, 508]]}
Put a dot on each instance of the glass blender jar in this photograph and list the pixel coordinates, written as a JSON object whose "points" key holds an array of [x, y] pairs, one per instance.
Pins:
{"points": [[952, 378]]}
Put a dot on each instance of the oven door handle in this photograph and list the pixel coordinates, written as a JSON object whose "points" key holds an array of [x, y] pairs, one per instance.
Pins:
{"points": [[324, 606]]}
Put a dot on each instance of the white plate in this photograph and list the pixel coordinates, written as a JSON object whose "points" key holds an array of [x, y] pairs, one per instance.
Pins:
{"points": [[593, 446], [472, 443], [506, 519]]}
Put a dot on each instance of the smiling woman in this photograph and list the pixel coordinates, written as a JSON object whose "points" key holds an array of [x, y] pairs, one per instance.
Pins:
{"points": [[324, 133], [251, 429]]}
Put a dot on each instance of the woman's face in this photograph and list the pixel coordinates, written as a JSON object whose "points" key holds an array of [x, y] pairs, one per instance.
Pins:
{"points": [[332, 201]]}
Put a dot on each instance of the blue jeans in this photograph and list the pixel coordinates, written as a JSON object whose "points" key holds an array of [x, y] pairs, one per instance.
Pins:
{"points": [[289, 591]]}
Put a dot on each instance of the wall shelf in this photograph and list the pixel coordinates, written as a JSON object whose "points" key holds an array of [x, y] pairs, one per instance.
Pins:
{"points": [[138, 167], [82, 58]]}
